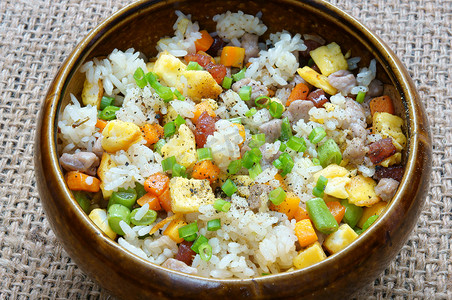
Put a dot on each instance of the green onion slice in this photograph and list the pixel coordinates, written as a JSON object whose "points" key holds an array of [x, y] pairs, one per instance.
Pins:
{"points": [[245, 93], [179, 171], [149, 217], [194, 66], [198, 242], [106, 101], [360, 97], [235, 120], [234, 166], [227, 82], [205, 251], [169, 129], [276, 109], [222, 205], [179, 96], [239, 75], [179, 121], [317, 134], [214, 225], [297, 143], [116, 214], [262, 101], [204, 154], [108, 113], [229, 187], [188, 230], [329, 153], [257, 140], [158, 146], [140, 78], [277, 196], [251, 112], [286, 130], [168, 163], [255, 171]]}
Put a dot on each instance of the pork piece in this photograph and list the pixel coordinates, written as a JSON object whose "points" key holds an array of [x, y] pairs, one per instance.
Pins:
{"points": [[185, 253], [358, 131], [257, 193], [342, 80], [355, 114], [249, 42], [272, 130], [380, 150], [269, 153], [386, 188], [85, 162], [355, 151], [205, 126], [257, 88], [394, 172], [375, 88], [299, 109], [97, 147], [178, 265], [317, 97]]}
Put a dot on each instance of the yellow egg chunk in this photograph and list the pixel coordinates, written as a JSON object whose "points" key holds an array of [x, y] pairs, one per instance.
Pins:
{"points": [[99, 217], [370, 211], [392, 160], [106, 163], [340, 239], [361, 191], [187, 195], [311, 255], [120, 135], [182, 146], [388, 125], [318, 80], [329, 59], [172, 231], [199, 85], [92, 93], [331, 171], [336, 187], [169, 68]]}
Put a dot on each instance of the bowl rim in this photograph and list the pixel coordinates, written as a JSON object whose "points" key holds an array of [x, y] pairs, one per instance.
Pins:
{"points": [[394, 68]]}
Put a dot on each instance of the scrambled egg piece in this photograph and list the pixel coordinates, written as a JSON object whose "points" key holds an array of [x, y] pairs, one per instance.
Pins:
{"points": [[182, 146], [187, 195], [361, 191], [329, 59], [318, 80], [392, 160], [388, 125], [120, 135], [99, 217], [92, 93], [193, 84], [338, 178], [106, 163], [311, 255], [340, 239]]}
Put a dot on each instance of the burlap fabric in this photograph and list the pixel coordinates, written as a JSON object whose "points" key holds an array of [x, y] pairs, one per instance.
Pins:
{"points": [[37, 35]]}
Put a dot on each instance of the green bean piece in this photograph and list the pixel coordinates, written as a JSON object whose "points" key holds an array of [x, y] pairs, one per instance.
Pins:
{"points": [[321, 216], [124, 197], [352, 213], [370, 221], [116, 214], [149, 217], [83, 200]]}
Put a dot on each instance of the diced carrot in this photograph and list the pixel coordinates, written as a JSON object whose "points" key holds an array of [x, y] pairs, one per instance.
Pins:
{"points": [[232, 56], [381, 104], [301, 214], [152, 133], [153, 201], [78, 181], [204, 42], [242, 132], [271, 92], [299, 92], [203, 107], [337, 210], [156, 184], [163, 222], [205, 54], [206, 169], [165, 200], [172, 231], [248, 64], [101, 124], [289, 206], [305, 232]]}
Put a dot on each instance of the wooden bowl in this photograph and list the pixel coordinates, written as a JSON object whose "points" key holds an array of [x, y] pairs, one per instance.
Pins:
{"points": [[140, 25]]}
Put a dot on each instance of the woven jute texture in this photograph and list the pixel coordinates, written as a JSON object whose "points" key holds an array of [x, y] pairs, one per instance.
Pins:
{"points": [[37, 35]]}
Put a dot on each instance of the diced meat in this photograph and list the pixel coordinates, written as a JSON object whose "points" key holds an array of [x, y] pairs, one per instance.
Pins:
{"points": [[380, 150], [257, 88], [358, 131], [178, 265], [317, 97], [355, 114], [272, 130], [394, 172], [85, 162], [310, 45], [185, 253], [355, 151], [217, 71], [249, 43], [258, 192], [205, 126], [269, 153], [97, 147], [342, 80], [216, 47], [386, 188], [375, 89], [299, 109]]}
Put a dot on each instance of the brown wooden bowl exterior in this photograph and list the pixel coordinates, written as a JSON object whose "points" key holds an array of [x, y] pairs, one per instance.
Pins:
{"points": [[130, 277]]}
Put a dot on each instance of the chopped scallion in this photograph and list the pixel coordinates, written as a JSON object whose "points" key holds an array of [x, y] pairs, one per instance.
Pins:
{"points": [[276, 109], [251, 112], [164, 92], [222, 205], [198, 242], [106, 101], [214, 225], [235, 120], [297, 143], [255, 171], [257, 140], [188, 230], [240, 75], [140, 78], [277, 196], [360, 97], [108, 113], [179, 171], [329, 153], [204, 154], [178, 94], [179, 121], [286, 130], [205, 251], [316, 161], [169, 129], [262, 101], [158, 146], [282, 147], [168, 163], [245, 93], [229, 187], [317, 134], [227, 82], [194, 66], [234, 166]]}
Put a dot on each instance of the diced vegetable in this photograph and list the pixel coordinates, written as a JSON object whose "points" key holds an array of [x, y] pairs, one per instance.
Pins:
{"points": [[277, 196], [106, 101], [245, 93], [82, 200], [337, 210], [116, 214], [188, 230], [152, 200], [311, 255], [301, 214], [222, 205], [255, 170], [198, 242], [203, 43], [214, 225], [193, 65], [329, 153], [286, 130], [352, 214], [232, 56], [206, 169], [140, 78], [276, 109], [156, 184], [299, 92], [227, 82], [78, 181], [297, 143], [381, 104], [340, 239], [367, 212], [166, 200], [149, 217], [320, 215], [229, 187], [239, 75], [101, 124], [124, 197], [360, 96], [172, 231], [108, 113], [152, 133], [169, 129], [305, 232], [316, 135]]}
